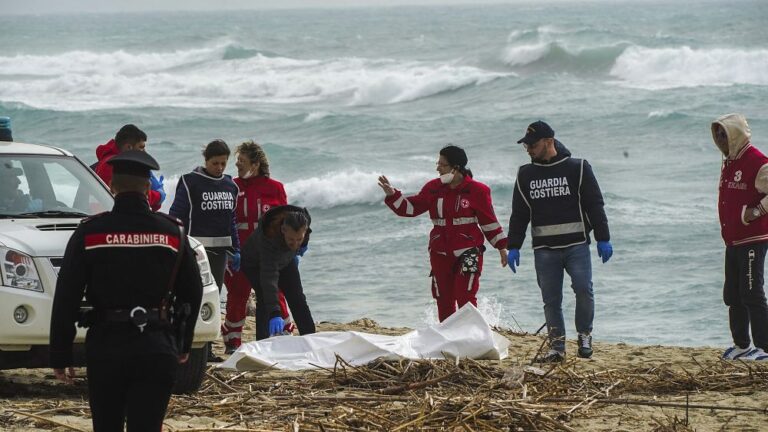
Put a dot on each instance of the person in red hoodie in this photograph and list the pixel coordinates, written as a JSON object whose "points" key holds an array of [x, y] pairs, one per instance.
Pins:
{"points": [[258, 193], [129, 137], [743, 206], [462, 214]]}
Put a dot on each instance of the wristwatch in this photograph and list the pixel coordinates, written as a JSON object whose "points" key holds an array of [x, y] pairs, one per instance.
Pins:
{"points": [[756, 212]]}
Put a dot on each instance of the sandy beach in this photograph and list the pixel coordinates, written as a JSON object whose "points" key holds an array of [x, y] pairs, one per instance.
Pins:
{"points": [[623, 388]]}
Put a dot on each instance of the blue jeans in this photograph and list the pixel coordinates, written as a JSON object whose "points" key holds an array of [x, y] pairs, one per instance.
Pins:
{"points": [[550, 264]]}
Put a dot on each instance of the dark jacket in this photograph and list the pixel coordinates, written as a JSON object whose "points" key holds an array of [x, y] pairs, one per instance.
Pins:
{"points": [[562, 201], [206, 205], [119, 260], [265, 254]]}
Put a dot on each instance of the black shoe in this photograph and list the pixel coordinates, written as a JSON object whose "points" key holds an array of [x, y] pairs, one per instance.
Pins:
{"points": [[213, 358], [553, 356], [585, 345], [229, 349]]}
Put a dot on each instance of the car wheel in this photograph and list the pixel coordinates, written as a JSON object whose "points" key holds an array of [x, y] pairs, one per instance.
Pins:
{"points": [[189, 376]]}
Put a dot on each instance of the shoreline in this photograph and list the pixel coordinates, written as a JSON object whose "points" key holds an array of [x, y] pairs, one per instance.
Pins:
{"points": [[622, 388]]}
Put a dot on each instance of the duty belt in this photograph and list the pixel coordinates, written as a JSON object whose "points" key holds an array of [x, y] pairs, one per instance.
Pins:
{"points": [[137, 316]]}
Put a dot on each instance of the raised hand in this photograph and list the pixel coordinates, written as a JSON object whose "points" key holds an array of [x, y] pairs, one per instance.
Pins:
{"points": [[386, 186]]}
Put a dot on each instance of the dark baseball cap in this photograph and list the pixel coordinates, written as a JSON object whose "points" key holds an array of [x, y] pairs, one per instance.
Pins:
{"points": [[536, 131], [133, 162]]}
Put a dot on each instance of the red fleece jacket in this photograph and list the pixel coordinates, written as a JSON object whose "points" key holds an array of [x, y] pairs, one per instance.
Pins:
{"points": [[104, 153]]}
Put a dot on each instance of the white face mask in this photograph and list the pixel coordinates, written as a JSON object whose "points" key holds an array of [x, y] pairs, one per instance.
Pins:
{"points": [[447, 178]]}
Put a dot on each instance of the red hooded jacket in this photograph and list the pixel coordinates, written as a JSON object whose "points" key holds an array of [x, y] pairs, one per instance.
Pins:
{"points": [[104, 153]]}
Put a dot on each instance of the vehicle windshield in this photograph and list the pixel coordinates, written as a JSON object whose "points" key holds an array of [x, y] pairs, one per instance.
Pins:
{"points": [[49, 186]]}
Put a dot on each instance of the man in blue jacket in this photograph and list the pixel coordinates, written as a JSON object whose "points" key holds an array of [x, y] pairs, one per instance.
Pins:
{"points": [[561, 199]]}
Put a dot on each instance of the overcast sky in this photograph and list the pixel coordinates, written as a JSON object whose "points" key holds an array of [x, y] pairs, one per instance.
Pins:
{"points": [[79, 6]]}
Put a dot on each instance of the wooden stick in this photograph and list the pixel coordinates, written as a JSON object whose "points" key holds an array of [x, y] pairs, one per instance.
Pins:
{"points": [[49, 420], [661, 404]]}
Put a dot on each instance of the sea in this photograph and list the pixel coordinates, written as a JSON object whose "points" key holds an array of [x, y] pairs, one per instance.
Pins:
{"points": [[340, 96]]}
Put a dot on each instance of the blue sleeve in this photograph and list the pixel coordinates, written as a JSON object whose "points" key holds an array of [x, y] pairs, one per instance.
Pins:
{"points": [[181, 205]]}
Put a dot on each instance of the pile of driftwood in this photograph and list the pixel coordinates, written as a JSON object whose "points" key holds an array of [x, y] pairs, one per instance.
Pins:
{"points": [[444, 395], [408, 395]]}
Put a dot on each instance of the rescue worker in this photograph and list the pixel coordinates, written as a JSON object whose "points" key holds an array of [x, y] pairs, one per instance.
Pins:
{"points": [[462, 213], [205, 202], [560, 197], [269, 262], [131, 264], [129, 137], [258, 193]]}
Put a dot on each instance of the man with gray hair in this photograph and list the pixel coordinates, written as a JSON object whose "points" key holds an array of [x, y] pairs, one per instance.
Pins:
{"points": [[269, 261]]}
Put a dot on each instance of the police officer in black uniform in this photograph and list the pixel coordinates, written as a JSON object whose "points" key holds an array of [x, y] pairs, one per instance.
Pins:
{"points": [[137, 271]]}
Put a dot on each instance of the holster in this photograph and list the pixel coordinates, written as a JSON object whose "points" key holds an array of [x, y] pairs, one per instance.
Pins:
{"points": [[180, 316]]}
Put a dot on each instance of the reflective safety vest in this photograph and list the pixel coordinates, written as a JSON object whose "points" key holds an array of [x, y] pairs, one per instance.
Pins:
{"points": [[553, 195], [207, 205]]}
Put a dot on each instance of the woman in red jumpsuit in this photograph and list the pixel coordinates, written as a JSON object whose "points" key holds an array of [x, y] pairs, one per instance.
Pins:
{"points": [[462, 214], [258, 193]]}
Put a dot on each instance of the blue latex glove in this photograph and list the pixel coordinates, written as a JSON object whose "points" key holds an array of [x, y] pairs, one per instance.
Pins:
{"points": [[604, 250], [276, 325], [300, 253], [157, 185], [234, 262], [513, 259]]}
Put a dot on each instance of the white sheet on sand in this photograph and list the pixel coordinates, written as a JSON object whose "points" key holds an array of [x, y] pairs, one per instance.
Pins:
{"points": [[465, 334]]}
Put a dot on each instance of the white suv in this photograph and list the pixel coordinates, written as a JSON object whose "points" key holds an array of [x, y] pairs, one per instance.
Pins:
{"points": [[44, 194]]}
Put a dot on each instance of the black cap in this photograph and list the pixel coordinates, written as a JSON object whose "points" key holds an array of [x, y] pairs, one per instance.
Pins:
{"points": [[536, 131], [133, 162]]}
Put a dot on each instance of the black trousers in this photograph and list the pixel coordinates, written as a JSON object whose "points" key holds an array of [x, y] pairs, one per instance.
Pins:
{"points": [[290, 283], [217, 259], [136, 388], [744, 295]]}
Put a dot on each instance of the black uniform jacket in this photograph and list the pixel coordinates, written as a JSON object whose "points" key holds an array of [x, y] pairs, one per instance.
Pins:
{"points": [[265, 254], [119, 260], [561, 199]]}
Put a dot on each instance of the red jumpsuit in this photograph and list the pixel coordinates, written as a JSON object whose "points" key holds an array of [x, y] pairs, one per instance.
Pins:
{"points": [[461, 217], [257, 195]]}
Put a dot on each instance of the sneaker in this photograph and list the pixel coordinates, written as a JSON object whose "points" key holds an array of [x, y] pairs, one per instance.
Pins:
{"points": [[585, 345], [553, 356], [756, 354], [230, 349], [735, 352]]}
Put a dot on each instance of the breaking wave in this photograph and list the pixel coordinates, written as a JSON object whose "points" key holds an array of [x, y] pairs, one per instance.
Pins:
{"points": [[223, 75]]}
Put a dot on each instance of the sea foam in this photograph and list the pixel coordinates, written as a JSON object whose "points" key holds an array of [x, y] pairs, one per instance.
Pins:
{"points": [[662, 68], [213, 76]]}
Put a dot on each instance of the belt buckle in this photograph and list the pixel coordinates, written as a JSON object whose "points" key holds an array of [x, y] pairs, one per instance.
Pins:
{"points": [[139, 317]]}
